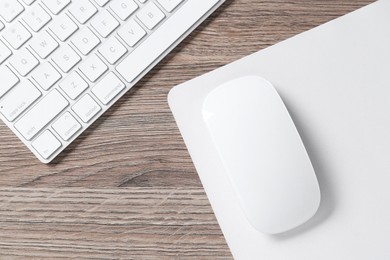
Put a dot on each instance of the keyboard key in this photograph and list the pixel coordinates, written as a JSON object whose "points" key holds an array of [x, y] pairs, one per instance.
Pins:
{"points": [[10, 9], [46, 144], [4, 52], [63, 27], [17, 35], [46, 75], [36, 18], [93, 68], [150, 15], [18, 100], [28, 2], [108, 88], [66, 126], [43, 44], [104, 23], [73, 85], [1, 25], [85, 41], [66, 58], [112, 50], [131, 33], [82, 10], [41, 114], [123, 8], [140, 59], [56, 6], [102, 2], [24, 62], [169, 5], [8, 80], [86, 108]]}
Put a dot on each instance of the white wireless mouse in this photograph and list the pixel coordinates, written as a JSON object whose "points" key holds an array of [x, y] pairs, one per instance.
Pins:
{"points": [[262, 153]]}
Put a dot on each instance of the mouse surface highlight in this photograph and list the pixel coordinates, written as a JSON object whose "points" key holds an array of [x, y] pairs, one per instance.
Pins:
{"points": [[262, 153]]}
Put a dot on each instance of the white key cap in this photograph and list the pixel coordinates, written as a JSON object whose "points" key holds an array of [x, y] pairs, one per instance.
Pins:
{"points": [[86, 108], [169, 5], [56, 6], [17, 35], [36, 18], [108, 88], [104, 23], [8, 80], [131, 33], [66, 126], [150, 15], [28, 2], [10, 9], [63, 27], [4, 52], [112, 50], [93, 68], [73, 85], [66, 58], [85, 41], [102, 2], [164, 37], [18, 100], [24, 62], [41, 114], [123, 8], [82, 10], [43, 44], [143, 1], [46, 75], [1, 25], [46, 144]]}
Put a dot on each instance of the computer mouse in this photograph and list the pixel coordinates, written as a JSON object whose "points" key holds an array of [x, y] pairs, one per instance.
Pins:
{"points": [[262, 154]]}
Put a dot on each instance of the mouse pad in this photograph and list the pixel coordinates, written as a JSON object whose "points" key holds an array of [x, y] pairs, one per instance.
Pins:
{"points": [[335, 81]]}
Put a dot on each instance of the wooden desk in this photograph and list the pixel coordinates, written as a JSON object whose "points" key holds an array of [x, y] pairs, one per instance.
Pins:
{"points": [[127, 188]]}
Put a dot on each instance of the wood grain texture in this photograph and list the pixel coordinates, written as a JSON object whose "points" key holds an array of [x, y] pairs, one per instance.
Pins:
{"points": [[134, 223], [127, 187]]}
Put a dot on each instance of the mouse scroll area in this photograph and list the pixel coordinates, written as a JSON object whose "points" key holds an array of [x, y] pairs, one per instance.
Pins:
{"points": [[262, 154]]}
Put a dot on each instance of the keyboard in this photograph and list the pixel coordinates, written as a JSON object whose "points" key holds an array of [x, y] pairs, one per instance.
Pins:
{"points": [[63, 63]]}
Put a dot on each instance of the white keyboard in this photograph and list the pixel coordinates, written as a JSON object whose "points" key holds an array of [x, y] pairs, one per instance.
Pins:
{"points": [[65, 62]]}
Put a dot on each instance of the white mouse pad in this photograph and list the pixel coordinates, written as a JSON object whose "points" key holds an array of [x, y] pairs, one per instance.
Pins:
{"points": [[335, 81]]}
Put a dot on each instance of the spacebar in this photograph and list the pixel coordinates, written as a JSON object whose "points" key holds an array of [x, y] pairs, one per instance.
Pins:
{"points": [[165, 36]]}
